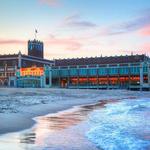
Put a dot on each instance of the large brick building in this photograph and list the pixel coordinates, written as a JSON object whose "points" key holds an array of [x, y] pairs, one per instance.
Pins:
{"points": [[9, 64], [128, 72]]}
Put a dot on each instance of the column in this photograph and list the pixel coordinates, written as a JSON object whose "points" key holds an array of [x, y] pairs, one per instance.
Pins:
{"points": [[50, 76], [59, 77], [129, 75], [78, 76], [5, 70], [141, 76], [43, 78], [42, 81], [9, 80], [118, 82], [97, 67], [68, 80], [88, 84], [148, 70], [107, 76], [19, 60]]}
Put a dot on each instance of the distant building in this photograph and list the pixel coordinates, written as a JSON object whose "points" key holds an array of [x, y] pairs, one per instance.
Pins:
{"points": [[114, 72], [9, 64], [36, 48], [33, 77], [118, 72]]}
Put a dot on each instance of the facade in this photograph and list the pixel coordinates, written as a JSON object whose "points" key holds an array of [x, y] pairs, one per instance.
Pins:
{"points": [[125, 72], [33, 77], [118, 72], [36, 48], [9, 64]]}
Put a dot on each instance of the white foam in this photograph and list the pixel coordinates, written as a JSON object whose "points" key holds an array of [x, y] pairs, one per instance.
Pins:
{"points": [[119, 126]]}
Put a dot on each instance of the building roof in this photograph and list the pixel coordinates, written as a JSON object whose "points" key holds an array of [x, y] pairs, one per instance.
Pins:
{"points": [[9, 56], [12, 56], [101, 60], [36, 58]]}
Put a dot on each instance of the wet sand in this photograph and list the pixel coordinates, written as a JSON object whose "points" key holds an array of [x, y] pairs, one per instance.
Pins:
{"points": [[64, 130], [69, 126], [23, 119], [16, 120]]}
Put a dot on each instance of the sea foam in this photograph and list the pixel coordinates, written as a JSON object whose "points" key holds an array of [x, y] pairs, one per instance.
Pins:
{"points": [[121, 126]]}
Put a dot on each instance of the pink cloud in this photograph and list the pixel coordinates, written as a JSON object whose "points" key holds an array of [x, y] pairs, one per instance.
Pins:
{"points": [[50, 2], [143, 49], [12, 41], [146, 47], [145, 31], [135, 24], [69, 43]]}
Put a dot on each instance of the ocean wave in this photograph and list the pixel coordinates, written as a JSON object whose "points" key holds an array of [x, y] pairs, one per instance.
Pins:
{"points": [[121, 126]]}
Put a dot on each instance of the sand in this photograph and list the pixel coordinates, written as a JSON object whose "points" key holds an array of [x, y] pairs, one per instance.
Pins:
{"points": [[19, 106]]}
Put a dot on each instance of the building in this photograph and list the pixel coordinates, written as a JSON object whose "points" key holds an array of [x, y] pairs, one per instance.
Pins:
{"points": [[118, 72], [115, 72], [9, 64], [33, 77], [125, 72], [36, 48]]}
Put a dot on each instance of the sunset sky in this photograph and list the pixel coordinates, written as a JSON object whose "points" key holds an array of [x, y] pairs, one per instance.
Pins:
{"points": [[76, 28]]}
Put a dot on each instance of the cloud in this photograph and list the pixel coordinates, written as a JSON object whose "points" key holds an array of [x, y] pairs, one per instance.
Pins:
{"points": [[130, 26], [66, 43], [146, 47], [143, 48], [11, 41], [75, 21], [145, 31], [50, 2]]}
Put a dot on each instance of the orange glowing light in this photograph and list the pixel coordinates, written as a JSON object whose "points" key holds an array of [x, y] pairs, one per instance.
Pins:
{"points": [[36, 71]]}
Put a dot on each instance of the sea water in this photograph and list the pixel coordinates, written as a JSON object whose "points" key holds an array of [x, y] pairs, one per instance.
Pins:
{"points": [[121, 126]]}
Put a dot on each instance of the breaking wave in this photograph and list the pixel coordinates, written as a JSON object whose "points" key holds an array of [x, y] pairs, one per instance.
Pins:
{"points": [[121, 126]]}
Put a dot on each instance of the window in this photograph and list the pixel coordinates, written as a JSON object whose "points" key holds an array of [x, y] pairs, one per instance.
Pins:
{"points": [[82, 72], [93, 72], [73, 72], [124, 70], [102, 71]]}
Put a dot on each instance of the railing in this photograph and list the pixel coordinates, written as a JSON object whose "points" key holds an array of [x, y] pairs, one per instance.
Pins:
{"points": [[98, 71]]}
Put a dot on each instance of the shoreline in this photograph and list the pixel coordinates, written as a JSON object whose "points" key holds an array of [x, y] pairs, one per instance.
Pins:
{"points": [[24, 119], [74, 118], [27, 121]]}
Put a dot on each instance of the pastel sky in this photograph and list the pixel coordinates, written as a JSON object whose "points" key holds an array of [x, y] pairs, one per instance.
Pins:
{"points": [[76, 28]]}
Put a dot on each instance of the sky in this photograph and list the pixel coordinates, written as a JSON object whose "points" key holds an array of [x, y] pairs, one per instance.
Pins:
{"points": [[76, 28]]}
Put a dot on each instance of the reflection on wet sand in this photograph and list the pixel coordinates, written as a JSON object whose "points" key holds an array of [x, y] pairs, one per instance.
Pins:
{"points": [[50, 124], [28, 138]]}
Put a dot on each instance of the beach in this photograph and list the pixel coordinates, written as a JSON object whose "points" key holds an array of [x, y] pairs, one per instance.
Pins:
{"points": [[18, 107], [72, 119]]}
